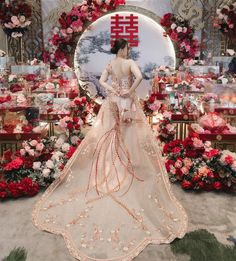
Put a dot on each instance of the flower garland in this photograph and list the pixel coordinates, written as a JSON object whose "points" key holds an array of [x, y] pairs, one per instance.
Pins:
{"points": [[196, 165], [14, 17], [182, 34], [72, 24], [166, 129], [225, 20]]}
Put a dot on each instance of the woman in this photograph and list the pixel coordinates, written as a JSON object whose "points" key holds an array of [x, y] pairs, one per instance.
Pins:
{"points": [[114, 197]]}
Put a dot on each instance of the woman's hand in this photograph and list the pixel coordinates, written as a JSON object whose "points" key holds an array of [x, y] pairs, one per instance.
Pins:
{"points": [[125, 93]]}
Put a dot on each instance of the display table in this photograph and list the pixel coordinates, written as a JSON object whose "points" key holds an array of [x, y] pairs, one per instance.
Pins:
{"points": [[221, 141], [13, 141], [182, 122], [51, 119], [229, 114]]}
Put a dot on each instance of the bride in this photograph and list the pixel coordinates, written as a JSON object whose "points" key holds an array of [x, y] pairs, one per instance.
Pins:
{"points": [[113, 197]]}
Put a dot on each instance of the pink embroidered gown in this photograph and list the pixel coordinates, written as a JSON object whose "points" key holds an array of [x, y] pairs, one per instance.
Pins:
{"points": [[114, 197]]}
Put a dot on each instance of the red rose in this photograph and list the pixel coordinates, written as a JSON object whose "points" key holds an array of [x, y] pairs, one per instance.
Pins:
{"points": [[15, 164], [7, 155], [70, 152], [77, 126], [179, 174], [3, 185], [8, 98], [210, 175], [201, 184], [28, 162], [186, 184], [75, 120], [151, 99], [27, 128], [84, 99], [167, 16], [70, 125], [212, 153], [15, 193], [77, 102], [195, 179], [61, 167], [176, 150], [217, 185], [229, 160], [30, 77], [3, 194]]}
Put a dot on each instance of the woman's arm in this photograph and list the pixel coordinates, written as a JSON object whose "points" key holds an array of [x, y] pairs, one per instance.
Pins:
{"points": [[103, 81], [138, 76]]}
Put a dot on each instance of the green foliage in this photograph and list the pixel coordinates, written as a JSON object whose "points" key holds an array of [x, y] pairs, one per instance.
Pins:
{"points": [[201, 245], [17, 254]]}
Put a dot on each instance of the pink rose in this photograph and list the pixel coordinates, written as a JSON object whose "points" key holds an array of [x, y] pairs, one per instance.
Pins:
{"points": [[176, 150], [27, 148], [69, 30], [197, 143], [185, 170], [31, 152], [188, 162], [33, 143], [22, 152], [39, 146], [178, 164]]}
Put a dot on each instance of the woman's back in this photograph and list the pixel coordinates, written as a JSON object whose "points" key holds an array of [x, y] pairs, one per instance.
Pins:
{"points": [[120, 67]]}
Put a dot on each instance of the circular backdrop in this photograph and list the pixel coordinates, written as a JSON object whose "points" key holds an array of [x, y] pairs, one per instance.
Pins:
{"points": [[93, 52]]}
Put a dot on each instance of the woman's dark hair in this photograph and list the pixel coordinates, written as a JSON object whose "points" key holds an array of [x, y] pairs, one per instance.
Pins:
{"points": [[118, 44], [232, 66]]}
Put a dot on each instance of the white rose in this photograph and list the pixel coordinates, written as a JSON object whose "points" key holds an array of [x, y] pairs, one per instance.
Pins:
{"points": [[22, 18], [173, 26], [74, 140], [46, 172], [31, 152], [65, 147], [179, 29], [50, 164], [36, 165], [57, 155]]}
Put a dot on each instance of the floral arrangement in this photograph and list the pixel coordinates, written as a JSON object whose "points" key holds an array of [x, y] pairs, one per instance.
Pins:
{"points": [[25, 187], [166, 129], [210, 97], [197, 166], [151, 104], [83, 109], [15, 17], [62, 39], [4, 99], [50, 85], [225, 79], [182, 34], [212, 123], [225, 20], [36, 165], [35, 61]]}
